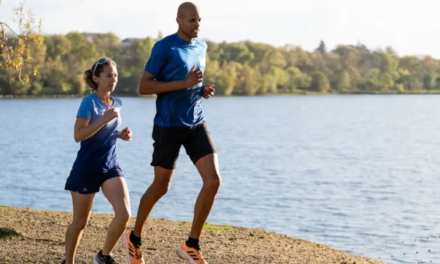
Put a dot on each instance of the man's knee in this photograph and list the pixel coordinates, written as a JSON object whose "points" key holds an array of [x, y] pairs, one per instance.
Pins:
{"points": [[159, 189], [213, 183]]}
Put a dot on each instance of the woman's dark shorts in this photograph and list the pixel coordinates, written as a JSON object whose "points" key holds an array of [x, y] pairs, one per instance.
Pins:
{"points": [[90, 182]]}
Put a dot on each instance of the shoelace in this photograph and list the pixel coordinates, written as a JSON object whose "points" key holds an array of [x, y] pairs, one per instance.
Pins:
{"points": [[137, 253]]}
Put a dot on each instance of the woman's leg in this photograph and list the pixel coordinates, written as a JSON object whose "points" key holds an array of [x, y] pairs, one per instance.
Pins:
{"points": [[116, 192], [82, 207]]}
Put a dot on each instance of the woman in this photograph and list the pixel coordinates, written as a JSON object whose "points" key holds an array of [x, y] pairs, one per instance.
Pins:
{"points": [[96, 166]]}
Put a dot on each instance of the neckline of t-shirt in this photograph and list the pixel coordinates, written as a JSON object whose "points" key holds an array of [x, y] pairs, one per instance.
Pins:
{"points": [[184, 42], [102, 103]]}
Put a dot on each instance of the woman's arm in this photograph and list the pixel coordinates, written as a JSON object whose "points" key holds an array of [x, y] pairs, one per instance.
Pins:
{"points": [[83, 130]]}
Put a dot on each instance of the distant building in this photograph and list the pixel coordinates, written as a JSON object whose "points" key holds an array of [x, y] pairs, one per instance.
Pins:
{"points": [[128, 41], [125, 42]]}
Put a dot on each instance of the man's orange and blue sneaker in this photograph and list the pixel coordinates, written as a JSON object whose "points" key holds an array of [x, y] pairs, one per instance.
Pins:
{"points": [[192, 255], [133, 253]]}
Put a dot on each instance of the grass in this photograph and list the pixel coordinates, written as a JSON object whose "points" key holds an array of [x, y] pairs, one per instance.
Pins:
{"points": [[207, 226]]}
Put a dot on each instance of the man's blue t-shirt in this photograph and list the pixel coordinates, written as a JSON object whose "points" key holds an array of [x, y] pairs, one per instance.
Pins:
{"points": [[98, 153], [171, 59]]}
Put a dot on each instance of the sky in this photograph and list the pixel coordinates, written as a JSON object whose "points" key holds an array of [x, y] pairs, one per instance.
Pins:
{"points": [[411, 27]]}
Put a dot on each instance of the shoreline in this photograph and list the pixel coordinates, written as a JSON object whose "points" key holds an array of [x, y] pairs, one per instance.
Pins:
{"points": [[24, 230], [48, 96]]}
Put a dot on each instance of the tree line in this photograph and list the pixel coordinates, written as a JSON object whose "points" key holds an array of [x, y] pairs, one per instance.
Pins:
{"points": [[241, 68]]}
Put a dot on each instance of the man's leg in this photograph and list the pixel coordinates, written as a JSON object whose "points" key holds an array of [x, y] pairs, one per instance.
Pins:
{"points": [[167, 143], [132, 240], [200, 147], [208, 169], [159, 187]]}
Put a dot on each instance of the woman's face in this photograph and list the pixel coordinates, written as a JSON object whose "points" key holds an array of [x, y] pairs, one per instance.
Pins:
{"points": [[107, 79]]}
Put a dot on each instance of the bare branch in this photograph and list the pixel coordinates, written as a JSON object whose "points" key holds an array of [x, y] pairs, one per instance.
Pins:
{"points": [[13, 32]]}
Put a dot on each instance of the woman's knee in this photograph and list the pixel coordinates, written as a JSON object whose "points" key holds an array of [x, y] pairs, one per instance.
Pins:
{"points": [[123, 216], [80, 223]]}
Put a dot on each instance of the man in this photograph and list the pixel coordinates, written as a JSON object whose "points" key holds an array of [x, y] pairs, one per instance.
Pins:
{"points": [[175, 72]]}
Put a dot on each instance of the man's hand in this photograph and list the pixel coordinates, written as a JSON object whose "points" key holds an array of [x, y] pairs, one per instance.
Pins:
{"points": [[125, 134], [194, 77], [208, 91]]}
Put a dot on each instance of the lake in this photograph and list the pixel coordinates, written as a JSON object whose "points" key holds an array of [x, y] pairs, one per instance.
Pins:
{"points": [[359, 173]]}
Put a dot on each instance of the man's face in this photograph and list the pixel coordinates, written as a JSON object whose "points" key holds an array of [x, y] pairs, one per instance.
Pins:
{"points": [[189, 23]]}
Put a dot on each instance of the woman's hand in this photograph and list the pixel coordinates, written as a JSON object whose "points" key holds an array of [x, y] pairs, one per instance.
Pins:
{"points": [[110, 114], [125, 134]]}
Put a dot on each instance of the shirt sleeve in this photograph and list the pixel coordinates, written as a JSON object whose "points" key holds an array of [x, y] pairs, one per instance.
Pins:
{"points": [[118, 101], [85, 109], [157, 59]]}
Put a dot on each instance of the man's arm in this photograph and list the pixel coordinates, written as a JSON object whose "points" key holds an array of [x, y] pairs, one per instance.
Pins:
{"points": [[149, 85]]}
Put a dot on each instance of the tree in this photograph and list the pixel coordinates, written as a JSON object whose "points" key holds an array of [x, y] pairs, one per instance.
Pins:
{"points": [[57, 46], [321, 47], [344, 83], [320, 82], [237, 52], [296, 80], [373, 79], [269, 84], [318, 62], [16, 47], [259, 51], [83, 50], [429, 81], [355, 77], [302, 59], [227, 78], [437, 83], [251, 80], [109, 44], [430, 65], [212, 71], [349, 55], [386, 62]]}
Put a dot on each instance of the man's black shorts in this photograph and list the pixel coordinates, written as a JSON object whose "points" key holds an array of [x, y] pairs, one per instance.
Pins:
{"points": [[168, 140]]}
